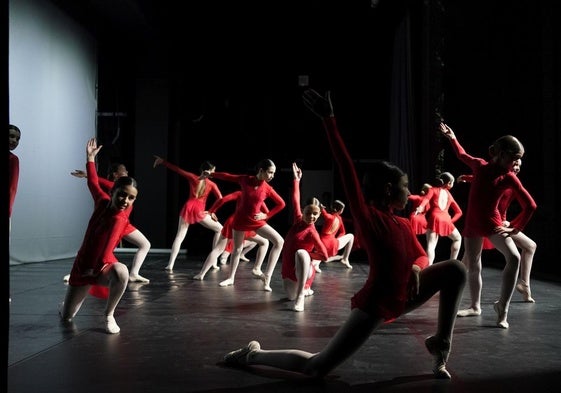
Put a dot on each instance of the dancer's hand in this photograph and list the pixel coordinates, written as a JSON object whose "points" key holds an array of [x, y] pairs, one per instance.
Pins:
{"points": [[320, 105]]}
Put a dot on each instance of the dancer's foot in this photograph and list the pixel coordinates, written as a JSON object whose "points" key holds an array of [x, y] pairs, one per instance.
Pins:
{"points": [[308, 292], [346, 263], [469, 312], [168, 268], [501, 315], [199, 277], [257, 273], [215, 267], [226, 283], [243, 258], [524, 289], [266, 283], [66, 278], [316, 266], [138, 278], [223, 261], [439, 349], [239, 357], [299, 304], [111, 326]]}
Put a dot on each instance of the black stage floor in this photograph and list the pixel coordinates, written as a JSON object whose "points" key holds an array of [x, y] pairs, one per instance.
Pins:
{"points": [[174, 332]]}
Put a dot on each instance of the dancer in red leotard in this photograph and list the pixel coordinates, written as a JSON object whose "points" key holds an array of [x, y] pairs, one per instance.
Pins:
{"points": [[221, 246], [302, 244], [526, 245], [131, 233], [249, 217], [96, 269], [418, 218], [14, 136], [335, 236], [438, 202], [483, 219], [194, 209]]}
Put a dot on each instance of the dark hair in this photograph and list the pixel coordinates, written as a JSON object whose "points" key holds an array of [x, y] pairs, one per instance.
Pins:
{"points": [[312, 201], [265, 164], [337, 205], [114, 167], [206, 166], [123, 182], [375, 178], [13, 127], [444, 178], [506, 144]]}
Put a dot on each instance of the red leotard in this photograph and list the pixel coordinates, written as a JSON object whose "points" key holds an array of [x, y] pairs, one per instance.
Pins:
{"points": [[332, 228], [227, 226], [489, 183], [390, 244], [104, 232], [13, 175], [194, 209], [254, 194], [439, 220], [418, 221], [300, 236]]}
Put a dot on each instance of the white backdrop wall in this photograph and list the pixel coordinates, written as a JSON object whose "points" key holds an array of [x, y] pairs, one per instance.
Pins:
{"points": [[52, 99]]}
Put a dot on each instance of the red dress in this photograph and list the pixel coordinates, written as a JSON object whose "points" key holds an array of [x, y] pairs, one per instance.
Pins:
{"points": [[418, 221], [490, 181], [254, 194], [439, 220], [333, 227], [390, 245], [300, 236], [227, 226], [194, 209], [13, 175], [104, 232]]}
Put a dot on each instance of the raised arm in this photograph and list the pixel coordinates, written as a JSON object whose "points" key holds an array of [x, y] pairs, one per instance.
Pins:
{"points": [[322, 107]]}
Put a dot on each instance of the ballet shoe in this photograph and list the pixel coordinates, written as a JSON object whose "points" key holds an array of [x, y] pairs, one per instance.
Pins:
{"points": [[501, 316], [440, 351], [316, 266], [468, 312], [226, 283], [138, 278], [346, 263], [298, 307], [223, 261], [198, 277], [215, 267], [266, 283], [257, 273], [524, 289], [243, 258], [238, 358], [308, 292], [66, 278], [111, 326]]}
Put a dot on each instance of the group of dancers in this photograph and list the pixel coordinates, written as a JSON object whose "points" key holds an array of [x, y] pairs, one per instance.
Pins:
{"points": [[491, 195], [402, 273]]}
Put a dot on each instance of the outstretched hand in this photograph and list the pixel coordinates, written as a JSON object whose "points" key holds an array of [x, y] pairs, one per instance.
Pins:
{"points": [[447, 131], [158, 160], [78, 173], [320, 105], [296, 171], [92, 149]]}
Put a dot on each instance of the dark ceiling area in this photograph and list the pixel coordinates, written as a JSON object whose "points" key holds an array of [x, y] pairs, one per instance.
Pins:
{"points": [[213, 31]]}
